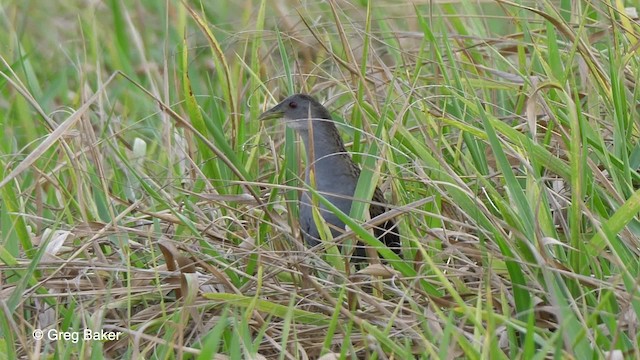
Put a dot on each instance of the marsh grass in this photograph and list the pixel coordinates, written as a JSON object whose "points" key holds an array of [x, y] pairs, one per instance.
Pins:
{"points": [[140, 195]]}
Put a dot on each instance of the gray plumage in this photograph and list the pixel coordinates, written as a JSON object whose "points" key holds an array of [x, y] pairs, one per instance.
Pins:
{"points": [[335, 172]]}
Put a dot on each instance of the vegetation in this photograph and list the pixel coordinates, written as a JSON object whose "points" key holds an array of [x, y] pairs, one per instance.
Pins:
{"points": [[141, 197]]}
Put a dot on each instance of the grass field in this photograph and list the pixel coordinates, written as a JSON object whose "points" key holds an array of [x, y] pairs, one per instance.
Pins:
{"points": [[144, 205]]}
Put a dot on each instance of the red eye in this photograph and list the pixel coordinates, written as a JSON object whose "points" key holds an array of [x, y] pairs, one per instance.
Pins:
{"points": [[293, 104]]}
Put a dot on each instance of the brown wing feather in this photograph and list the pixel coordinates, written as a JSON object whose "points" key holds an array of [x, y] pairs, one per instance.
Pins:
{"points": [[388, 230]]}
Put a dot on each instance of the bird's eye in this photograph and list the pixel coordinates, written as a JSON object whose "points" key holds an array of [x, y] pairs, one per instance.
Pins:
{"points": [[293, 104]]}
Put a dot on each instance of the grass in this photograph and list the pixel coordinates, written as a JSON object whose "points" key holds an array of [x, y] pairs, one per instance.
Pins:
{"points": [[141, 196]]}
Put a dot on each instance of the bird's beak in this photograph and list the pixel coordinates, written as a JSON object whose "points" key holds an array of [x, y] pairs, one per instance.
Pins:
{"points": [[273, 113]]}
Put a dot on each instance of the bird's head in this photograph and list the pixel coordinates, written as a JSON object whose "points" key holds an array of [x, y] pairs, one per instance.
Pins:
{"points": [[297, 110]]}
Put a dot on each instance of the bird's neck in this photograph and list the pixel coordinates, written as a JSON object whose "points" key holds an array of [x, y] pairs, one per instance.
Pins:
{"points": [[326, 154]]}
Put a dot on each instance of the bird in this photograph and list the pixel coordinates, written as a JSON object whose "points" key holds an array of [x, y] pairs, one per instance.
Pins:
{"points": [[334, 172]]}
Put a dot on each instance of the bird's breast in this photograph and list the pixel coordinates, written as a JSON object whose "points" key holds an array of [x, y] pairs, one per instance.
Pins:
{"points": [[331, 176]]}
